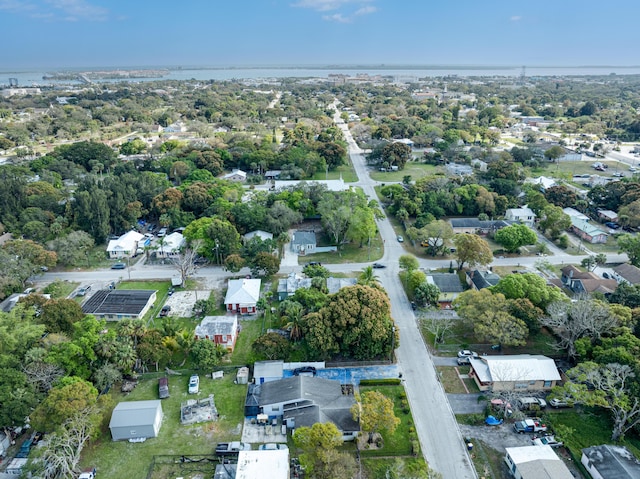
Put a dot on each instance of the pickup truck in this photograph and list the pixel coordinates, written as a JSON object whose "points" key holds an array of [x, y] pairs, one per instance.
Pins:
{"points": [[529, 425], [88, 474], [231, 448]]}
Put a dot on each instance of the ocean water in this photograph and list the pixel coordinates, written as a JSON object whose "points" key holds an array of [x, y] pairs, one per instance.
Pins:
{"points": [[34, 77]]}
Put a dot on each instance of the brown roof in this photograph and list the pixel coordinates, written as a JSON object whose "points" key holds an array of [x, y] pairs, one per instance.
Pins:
{"points": [[600, 285], [577, 274], [629, 272]]}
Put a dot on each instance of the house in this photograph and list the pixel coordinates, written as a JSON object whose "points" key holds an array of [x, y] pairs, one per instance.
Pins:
{"points": [[586, 281], [479, 164], [536, 462], [235, 175], [627, 273], [524, 215], [265, 371], [303, 401], [117, 304], [222, 330], [542, 182], [608, 216], [608, 461], [303, 242], [587, 231], [573, 213], [272, 464], [126, 245], [263, 235], [289, 285], [336, 284], [272, 174], [457, 169], [136, 419], [171, 245], [242, 295], [8, 304], [449, 286], [519, 372], [404, 141], [476, 226], [478, 280]]}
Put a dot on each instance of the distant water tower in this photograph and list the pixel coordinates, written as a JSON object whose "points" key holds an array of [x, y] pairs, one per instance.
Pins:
{"points": [[13, 82]]}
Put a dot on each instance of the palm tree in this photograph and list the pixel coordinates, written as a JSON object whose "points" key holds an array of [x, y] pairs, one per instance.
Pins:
{"points": [[185, 340], [292, 320], [368, 277]]}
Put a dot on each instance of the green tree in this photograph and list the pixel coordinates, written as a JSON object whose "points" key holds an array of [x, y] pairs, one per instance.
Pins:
{"points": [[502, 328], [472, 250], [368, 277], [280, 218], [72, 249], [320, 458], [271, 346], [554, 221], [397, 154], [553, 153], [408, 262], [528, 285], [426, 294], [17, 398], [207, 355], [334, 154], [514, 236], [220, 237], [375, 413], [63, 403], [630, 245], [265, 264], [59, 315], [234, 263]]}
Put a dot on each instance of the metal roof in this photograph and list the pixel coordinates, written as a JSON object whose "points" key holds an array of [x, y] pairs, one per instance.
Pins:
{"points": [[118, 301], [516, 367], [447, 282], [135, 413]]}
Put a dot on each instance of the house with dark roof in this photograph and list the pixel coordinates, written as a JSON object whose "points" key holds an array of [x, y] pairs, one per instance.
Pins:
{"points": [[303, 242], [449, 286], [304, 401], [478, 280], [136, 420], [476, 226], [222, 330], [627, 273], [608, 461], [581, 282], [292, 283], [117, 304]]}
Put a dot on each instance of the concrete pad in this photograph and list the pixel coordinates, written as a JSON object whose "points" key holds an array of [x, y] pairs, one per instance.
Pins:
{"points": [[254, 433], [182, 302]]}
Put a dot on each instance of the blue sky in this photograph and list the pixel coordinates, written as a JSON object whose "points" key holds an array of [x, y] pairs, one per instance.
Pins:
{"points": [[91, 33]]}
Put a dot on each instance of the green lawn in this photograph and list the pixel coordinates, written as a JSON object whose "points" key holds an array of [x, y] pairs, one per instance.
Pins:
{"points": [[414, 169], [162, 288], [378, 468], [349, 253], [567, 169], [60, 289], [450, 380], [131, 461], [346, 171]]}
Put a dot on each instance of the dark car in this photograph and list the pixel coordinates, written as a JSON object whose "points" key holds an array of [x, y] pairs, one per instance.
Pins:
{"points": [[613, 226], [118, 266], [165, 310], [378, 266], [314, 263], [163, 388], [605, 275], [304, 371]]}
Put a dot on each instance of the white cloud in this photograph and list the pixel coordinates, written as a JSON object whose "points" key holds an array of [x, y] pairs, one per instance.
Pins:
{"points": [[365, 10], [516, 18], [16, 6], [327, 5], [345, 10], [336, 17], [74, 10]]}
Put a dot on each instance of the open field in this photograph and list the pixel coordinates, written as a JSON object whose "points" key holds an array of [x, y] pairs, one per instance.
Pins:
{"points": [[413, 168]]}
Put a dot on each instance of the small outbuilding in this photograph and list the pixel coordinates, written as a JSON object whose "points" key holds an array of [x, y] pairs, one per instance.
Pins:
{"points": [[136, 420]]}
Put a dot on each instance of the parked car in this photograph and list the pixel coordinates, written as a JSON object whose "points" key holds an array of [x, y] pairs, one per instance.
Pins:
{"points": [[162, 232], [529, 425], [560, 402], [465, 353], [84, 290], [545, 441], [531, 403], [400, 239], [378, 266], [304, 371], [231, 448], [464, 361], [605, 275], [194, 384], [163, 388], [165, 310], [612, 225], [118, 266]]}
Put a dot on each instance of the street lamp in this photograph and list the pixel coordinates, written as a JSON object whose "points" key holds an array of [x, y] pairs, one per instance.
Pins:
{"points": [[217, 251], [393, 342]]}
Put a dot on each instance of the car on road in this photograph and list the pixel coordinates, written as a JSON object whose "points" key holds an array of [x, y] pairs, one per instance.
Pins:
{"points": [[400, 239], [118, 266], [165, 310], [465, 353], [84, 290], [378, 266], [194, 384], [560, 402], [617, 174]]}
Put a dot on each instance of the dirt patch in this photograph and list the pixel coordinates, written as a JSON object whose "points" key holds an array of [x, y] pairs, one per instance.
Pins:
{"points": [[182, 302]]}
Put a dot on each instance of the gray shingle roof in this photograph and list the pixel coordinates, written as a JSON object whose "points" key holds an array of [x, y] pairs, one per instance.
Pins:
{"points": [[117, 301], [483, 279], [303, 238], [629, 272], [447, 282]]}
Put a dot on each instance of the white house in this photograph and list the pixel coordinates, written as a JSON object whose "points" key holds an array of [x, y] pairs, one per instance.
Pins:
{"points": [[263, 235], [273, 464], [171, 245], [235, 175], [543, 182], [126, 245], [242, 296], [523, 215], [536, 462], [520, 372], [608, 461]]}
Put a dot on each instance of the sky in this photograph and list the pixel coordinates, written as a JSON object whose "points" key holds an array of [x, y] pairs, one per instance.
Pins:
{"points": [[41, 34]]}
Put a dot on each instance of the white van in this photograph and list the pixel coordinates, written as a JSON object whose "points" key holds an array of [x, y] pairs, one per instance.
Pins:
{"points": [[162, 232]]}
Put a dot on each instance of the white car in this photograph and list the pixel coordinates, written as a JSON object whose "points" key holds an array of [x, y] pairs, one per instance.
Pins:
{"points": [[465, 353], [194, 384]]}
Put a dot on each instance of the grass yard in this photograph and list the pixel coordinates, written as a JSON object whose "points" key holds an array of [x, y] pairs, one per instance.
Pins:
{"points": [[162, 288], [450, 380], [350, 253], [242, 354], [487, 461], [131, 461], [378, 468], [60, 289], [568, 169], [347, 173], [413, 168]]}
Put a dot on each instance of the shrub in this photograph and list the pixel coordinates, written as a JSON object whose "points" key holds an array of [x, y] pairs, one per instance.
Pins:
{"points": [[380, 382]]}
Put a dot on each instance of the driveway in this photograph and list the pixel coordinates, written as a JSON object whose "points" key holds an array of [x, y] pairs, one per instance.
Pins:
{"points": [[466, 403]]}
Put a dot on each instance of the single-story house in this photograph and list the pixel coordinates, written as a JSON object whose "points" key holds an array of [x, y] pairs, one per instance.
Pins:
{"points": [[627, 273], [272, 174], [404, 141], [336, 284], [478, 280], [514, 372], [271, 464], [222, 330], [303, 242], [235, 175], [171, 245], [608, 461], [587, 231], [136, 419], [11, 302], [117, 304], [586, 281], [263, 235], [476, 226], [449, 286], [458, 169], [289, 285], [524, 215], [608, 216], [543, 182], [242, 295], [573, 213], [126, 245], [536, 462], [304, 401], [265, 371]]}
